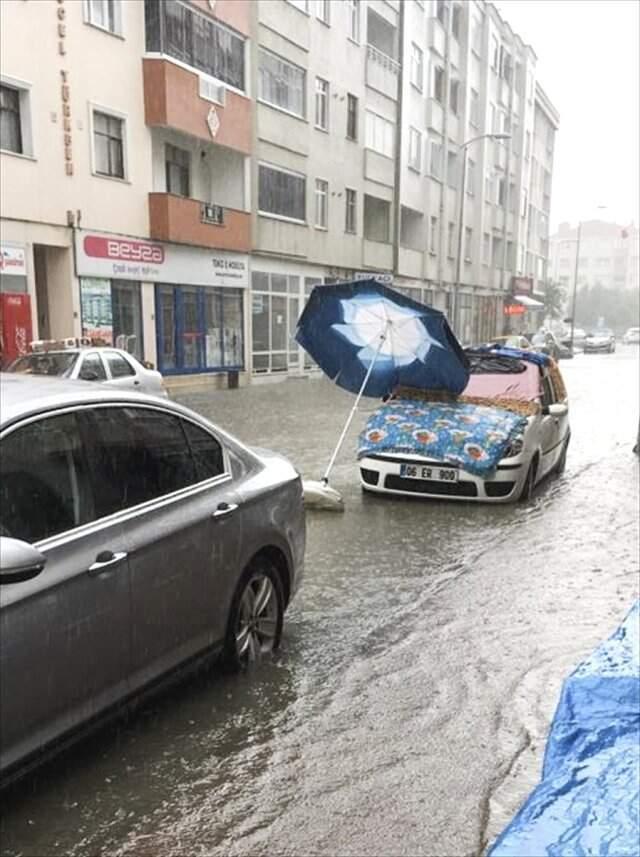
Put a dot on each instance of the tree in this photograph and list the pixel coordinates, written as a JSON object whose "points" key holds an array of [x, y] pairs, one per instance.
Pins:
{"points": [[555, 296], [617, 308]]}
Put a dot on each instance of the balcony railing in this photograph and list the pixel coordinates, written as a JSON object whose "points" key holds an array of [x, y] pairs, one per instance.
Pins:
{"points": [[382, 72]]}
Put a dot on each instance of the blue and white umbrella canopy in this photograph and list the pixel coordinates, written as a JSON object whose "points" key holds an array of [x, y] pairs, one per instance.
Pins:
{"points": [[349, 326]]}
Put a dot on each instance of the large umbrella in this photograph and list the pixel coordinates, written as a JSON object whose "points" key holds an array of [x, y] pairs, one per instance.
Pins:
{"points": [[369, 339]]}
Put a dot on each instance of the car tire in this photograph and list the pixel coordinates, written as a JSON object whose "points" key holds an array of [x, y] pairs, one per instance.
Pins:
{"points": [[529, 483], [562, 461], [254, 627]]}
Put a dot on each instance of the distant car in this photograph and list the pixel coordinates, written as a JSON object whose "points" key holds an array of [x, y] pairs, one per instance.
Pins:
{"points": [[135, 537], [110, 365], [600, 341], [513, 341], [539, 451], [547, 343], [632, 336], [579, 336]]}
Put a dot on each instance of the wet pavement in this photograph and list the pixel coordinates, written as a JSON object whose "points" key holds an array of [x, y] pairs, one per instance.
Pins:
{"points": [[407, 710]]}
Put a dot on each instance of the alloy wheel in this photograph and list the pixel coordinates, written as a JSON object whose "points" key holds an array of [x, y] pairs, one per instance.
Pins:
{"points": [[256, 630]]}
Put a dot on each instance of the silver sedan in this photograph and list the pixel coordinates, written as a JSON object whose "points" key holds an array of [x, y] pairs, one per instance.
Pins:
{"points": [[135, 537], [110, 365]]}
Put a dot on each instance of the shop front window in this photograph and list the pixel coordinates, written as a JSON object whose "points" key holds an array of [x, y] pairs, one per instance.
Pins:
{"points": [[112, 313], [200, 329]]}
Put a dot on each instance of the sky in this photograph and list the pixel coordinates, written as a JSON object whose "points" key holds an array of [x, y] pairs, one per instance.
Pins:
{"points": [[588, 65]]}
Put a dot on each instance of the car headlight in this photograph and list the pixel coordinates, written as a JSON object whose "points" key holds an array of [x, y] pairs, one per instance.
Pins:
{"points": [[515, 447]]}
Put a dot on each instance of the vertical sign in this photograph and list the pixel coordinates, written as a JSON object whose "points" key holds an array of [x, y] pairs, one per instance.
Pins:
{"points": [[65, 92]]}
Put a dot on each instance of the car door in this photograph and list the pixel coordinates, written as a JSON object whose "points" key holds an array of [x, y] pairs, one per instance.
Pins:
{"points": [[64, 635], [182, 531], [549, 427], [122, 372]]}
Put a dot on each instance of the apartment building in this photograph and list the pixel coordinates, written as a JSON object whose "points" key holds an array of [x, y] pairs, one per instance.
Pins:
{"points": [[125, 177], [607, 255], [177, 175]]}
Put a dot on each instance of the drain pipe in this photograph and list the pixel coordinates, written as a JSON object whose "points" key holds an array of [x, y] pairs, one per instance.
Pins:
{"points": [[398, 152]]}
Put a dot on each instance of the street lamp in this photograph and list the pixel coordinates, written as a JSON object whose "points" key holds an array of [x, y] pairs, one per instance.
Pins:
{"points": [[464, 146]]}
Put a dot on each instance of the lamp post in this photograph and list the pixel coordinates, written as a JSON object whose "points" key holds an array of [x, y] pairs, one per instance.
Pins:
{"points": [[464, 146]]}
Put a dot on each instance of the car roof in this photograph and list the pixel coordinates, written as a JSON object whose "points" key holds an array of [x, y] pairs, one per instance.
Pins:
{"points": [[27, 395]]}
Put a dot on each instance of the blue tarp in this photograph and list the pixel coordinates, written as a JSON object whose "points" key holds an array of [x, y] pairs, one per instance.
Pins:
{"points": [[473, 436], [536, 357], [588, 802]]}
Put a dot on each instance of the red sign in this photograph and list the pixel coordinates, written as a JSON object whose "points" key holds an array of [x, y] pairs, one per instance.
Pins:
{"points": [[123, 250], [514, 309]]}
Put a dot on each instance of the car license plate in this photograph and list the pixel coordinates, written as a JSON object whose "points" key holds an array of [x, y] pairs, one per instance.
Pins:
{"points": [[422, 471]]}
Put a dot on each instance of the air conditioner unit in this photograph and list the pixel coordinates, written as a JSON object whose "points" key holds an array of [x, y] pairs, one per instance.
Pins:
{"points": [[212, 90]]}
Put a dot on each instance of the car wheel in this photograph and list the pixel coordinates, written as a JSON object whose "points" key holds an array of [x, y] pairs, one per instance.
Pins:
{"points": [[255, 620], [529, 483], [562, 461]]}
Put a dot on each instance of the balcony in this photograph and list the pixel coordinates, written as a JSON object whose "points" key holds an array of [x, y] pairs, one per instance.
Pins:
{"points": [[190, 221], [410, 263], [436, 37], [195, 104], [382, 72], [377, 255], [435, 115]]}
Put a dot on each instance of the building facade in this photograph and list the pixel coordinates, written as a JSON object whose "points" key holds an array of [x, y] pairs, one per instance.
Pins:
{"points": [[607, 255], [177, 175]]}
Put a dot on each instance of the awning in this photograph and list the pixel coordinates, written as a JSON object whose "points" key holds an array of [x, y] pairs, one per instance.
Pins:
{"points": [[524, 300]]}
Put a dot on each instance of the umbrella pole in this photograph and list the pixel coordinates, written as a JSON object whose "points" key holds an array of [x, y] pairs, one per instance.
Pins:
{"points": [[320, 494]]}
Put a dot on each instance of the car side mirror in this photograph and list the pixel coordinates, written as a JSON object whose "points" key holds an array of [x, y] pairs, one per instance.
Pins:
{"points": [[558, 409], [19, 561]]}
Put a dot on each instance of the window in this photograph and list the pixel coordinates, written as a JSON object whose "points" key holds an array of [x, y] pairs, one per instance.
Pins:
{"points": [[206, 451], [108, 145], [456, 15], [502, 192], [92, 368], [303, 5], [322, 202], [415, 149], [454, 94], [452, 169], [474, 109], [322, 10], [281, 83], [471, 177], [187, 35], [136, 455], [118, 365], [350, 211], [322, 104], [417, 66], [476, 36], [352, 117], [486, 248], [441, 12], [177, 170], [376, 219], [451, 238], [379, 134], [527, 145], [353, 12], [438, 84], [281, 193], [435, 160], [468, 239], [433, 234], [106, 14], [495, 53], [10, 120]]}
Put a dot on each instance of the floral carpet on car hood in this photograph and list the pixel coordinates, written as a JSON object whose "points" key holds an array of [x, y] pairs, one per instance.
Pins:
{"points": [[475, 437]]}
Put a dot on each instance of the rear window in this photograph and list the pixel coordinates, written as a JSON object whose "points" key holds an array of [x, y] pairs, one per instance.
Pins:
{"points": [[505, 377], [55, 363]]}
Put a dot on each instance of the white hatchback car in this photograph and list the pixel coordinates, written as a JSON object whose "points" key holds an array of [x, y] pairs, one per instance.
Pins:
{"points": [[540, 450], [112, 366]]}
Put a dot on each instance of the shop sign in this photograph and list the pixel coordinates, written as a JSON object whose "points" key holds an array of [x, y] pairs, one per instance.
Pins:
{"points": [[514, 309], [123, 258], [385, 279], [13, 261], [522, 285]]}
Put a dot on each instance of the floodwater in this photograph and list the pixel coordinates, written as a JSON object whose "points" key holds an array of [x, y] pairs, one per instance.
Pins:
{"points": [[407, 710]]}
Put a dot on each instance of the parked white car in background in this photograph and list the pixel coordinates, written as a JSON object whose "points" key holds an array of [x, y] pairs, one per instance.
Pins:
{"points": [[632, 336], [112, 366]]}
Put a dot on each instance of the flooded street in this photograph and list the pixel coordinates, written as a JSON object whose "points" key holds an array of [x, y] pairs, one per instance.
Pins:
{"points": [[407, 710]]}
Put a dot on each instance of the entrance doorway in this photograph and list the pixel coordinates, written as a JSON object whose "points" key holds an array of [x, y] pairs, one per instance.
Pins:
{"points": [[43, 325]]}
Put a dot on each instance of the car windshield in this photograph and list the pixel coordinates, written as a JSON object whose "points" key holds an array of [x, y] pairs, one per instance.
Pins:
{"points": [[503, 377], [603, 331], [57, 363]]}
